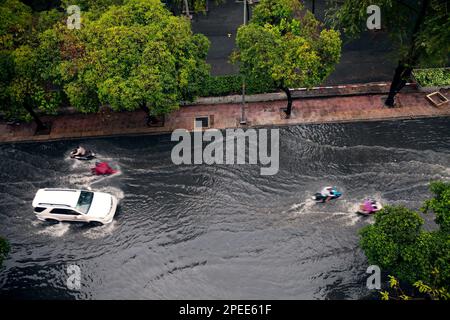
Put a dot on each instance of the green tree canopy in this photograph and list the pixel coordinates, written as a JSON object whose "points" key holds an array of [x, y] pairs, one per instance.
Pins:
{"points": [[421, 29], [397, 243], [440, 204], [286, 45], [23, 87], [137, 55], [91, 8], [15, 23]]}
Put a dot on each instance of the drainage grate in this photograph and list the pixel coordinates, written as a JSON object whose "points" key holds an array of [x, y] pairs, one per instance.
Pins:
{"points": [[201, 122]]}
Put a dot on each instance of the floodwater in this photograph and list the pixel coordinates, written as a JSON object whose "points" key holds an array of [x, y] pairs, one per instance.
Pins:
{"points": [[219, 231]]}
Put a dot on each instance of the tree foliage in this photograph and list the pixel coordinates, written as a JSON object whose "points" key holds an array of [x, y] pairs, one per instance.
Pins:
{"points": [[128, 54], [15, 23], [397, 243], [133, 56], [91, 8], [286, 45], [422, 289], [23, 86], [440, 204]]}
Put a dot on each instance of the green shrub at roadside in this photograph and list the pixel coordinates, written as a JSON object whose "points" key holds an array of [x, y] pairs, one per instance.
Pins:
{"points": [[398, 243], [232, 84], [436, 77]]}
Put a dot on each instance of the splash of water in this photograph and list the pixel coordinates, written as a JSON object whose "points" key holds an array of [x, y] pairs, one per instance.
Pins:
{"points": [[101, 231], [118, 193], [305, 207], [55, 230]]}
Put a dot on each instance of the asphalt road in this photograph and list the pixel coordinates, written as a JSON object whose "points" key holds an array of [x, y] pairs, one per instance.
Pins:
{"points": [[216, 231], [367, 59]]}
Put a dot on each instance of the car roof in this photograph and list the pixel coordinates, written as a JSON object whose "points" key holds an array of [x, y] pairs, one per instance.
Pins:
{"points": [[56, 197]]}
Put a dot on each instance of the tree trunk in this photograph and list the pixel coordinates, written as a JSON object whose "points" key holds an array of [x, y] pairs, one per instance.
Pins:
{"points": [[288, 109], [404, 67], [144, 107], [402, 72], [39, 123], [151, 119]]}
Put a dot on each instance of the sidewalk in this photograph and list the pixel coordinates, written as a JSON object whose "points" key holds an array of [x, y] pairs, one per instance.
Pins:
{"points": [[369, 107]]}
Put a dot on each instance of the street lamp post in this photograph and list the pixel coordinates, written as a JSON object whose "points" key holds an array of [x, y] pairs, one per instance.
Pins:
{"points": [[186, 5], [243, 120]]}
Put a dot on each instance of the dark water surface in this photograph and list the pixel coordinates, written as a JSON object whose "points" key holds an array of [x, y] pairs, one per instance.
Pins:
{"points": [[188, 232]]}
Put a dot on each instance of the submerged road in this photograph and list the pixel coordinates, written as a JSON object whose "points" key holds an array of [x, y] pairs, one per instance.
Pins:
{"points": [[220, 231]]}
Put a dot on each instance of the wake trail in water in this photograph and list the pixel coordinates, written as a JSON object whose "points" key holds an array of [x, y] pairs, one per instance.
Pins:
{"points": [[101, 231], [298, 209], [341, 208], [55, 231]]}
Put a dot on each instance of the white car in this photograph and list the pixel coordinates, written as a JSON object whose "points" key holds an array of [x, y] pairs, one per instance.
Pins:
{"points": [[56, 205]]}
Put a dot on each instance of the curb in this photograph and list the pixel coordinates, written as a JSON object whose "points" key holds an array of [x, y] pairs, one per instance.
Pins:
{"points": [[46, 138], [302, 93], [297, 93]]}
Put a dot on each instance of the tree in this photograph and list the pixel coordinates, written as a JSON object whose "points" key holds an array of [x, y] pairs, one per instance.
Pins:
{"points": [[23, 89], [425, 290], [420, 28], [137, 55], [286, 45], [27, 90], [439, 204], [4, 249], [397, 243], [91, 8], [15, 23]]}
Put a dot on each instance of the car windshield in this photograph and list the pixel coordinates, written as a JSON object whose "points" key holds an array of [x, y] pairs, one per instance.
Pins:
{"points": [[84, 202]]}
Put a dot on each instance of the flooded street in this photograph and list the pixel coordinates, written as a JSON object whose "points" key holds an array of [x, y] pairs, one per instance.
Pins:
{"points": [[220, 231]]}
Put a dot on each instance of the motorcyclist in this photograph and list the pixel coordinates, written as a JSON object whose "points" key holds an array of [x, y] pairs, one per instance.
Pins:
{"points": [[79, 151], [369, 206], [327, 192], [102, 168]]}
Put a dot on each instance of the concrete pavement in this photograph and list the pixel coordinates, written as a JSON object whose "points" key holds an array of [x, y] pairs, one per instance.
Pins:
{"points": [[369, 107]]}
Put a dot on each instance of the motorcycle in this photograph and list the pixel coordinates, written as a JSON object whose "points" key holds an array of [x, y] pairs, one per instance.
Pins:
{"points": [[334, 194], [369, 207]]}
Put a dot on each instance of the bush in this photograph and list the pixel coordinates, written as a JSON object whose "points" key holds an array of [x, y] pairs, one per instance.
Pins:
{"points": [[398, 243], [232, 84], [435, 77]]}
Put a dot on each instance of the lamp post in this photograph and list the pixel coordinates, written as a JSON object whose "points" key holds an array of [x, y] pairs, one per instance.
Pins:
{"points": [[243, 120], [186, 4]]}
